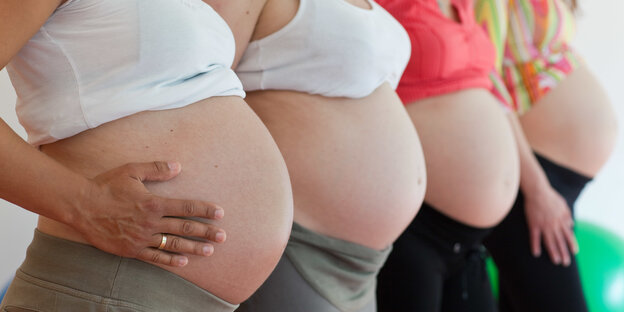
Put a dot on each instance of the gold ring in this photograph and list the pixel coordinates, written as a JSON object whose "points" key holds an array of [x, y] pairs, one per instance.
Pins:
{"points": [[163, 242]]}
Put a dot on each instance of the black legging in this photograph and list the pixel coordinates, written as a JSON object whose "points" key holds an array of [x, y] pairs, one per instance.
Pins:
{"points": [[437, 264], [535, 284]]}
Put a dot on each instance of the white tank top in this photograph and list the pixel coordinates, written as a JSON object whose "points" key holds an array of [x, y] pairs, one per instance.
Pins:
{"points": [[95, 61], [331, 48]]}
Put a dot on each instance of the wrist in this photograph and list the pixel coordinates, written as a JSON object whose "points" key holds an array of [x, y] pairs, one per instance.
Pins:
{"points": [[535, 186], [76, 202]]}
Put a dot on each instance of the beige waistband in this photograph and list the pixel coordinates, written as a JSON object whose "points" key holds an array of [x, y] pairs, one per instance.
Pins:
{"points": [[343, 272], [51, 262]]}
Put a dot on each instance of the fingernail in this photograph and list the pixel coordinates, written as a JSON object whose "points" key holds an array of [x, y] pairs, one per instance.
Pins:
{"points": [[207, 250], [220, 236], [182, 261], [173, 165], [219, 213]]}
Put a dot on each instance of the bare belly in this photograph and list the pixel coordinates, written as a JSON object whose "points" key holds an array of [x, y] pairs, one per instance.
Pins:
{"points": [[356, 165], [574, 124], [472, 160], [228, 157]]}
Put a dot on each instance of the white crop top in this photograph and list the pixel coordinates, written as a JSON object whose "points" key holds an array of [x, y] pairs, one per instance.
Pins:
{"points": [[95, 61], [331, 48]]}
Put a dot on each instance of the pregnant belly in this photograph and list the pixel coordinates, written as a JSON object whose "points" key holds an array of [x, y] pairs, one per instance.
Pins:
{"points": [[574, 124], [228, 157], [356, 165], [472, 160]]}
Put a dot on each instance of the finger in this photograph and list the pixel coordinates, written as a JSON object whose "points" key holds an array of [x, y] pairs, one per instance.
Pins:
{"points": [[563, 248], [567, 229], [192, 208], [161, 257], [180, 245], [184, 227], [536, 243], [571, 239], [552, 248], [154, 171]]}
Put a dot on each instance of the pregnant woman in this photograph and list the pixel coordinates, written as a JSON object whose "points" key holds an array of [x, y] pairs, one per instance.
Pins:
{"points": [[105, 83], [472, 161], [570, 125], [321, 76]]}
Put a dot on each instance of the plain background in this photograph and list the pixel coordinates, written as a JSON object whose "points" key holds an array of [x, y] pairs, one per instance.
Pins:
{"points": [[601, 42]]}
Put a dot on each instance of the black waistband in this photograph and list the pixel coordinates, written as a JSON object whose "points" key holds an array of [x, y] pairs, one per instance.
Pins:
{"points": [[567, 182], [435, 225]]}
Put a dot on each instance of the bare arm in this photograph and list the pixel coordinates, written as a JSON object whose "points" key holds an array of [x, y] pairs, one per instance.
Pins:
{"points": [[242, 17], [548, 216], [114, 211]]}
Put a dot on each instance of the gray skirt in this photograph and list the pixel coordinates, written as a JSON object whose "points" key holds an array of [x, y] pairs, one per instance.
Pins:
{"points": [[60, 275], [320, 274]]}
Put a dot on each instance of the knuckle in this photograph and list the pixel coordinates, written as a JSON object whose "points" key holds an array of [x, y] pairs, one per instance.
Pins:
{"points": [[160, 166], [176, 244], [198, 249], [172, 261], [187, 227], [188, 207], [210, 232], [148, 225], [142, 255], [156, 257], [131, 167], [129, 252], [152, 204], [138, 246], [209, 212]]}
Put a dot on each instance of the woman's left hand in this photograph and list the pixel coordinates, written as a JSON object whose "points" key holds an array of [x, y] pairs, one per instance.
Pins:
{"points": [[549, 217]]}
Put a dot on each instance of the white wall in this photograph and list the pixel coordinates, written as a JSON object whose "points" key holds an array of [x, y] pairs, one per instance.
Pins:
{"points": [[601, 41], [16, 224]]}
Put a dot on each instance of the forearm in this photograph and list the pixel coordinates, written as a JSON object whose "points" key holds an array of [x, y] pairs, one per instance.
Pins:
{"points": [[532, 176], [548, 218], [36, 182]]}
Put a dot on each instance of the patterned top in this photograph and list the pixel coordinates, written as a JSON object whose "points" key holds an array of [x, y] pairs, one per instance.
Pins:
{"points": [[532, 41]]}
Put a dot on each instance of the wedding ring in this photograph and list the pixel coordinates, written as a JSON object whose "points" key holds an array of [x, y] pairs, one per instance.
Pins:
{"points": [[163, 242]]}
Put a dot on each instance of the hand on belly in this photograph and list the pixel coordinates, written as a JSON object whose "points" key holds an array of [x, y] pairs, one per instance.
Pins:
{"points": [[120, 216]]}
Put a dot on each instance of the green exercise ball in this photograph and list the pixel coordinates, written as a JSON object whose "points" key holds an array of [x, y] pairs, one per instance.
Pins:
{"points": [[493, 274], [601, 265]]}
